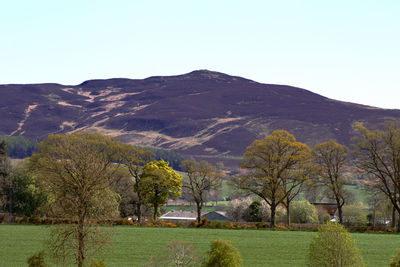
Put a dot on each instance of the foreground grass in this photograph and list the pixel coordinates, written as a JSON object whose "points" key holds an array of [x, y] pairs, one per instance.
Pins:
{"points": [[133, 246]]}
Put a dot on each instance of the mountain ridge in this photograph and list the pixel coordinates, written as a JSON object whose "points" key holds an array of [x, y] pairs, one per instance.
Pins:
{"points": [[201, 113]]}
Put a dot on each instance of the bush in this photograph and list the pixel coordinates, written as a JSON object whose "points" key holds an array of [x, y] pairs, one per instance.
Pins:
{"points": [[354, 215], [303, 212], [326, 218], [178, 253], [37, 260], [96, 263], [222, 254], [396, 260], [334, 247]]}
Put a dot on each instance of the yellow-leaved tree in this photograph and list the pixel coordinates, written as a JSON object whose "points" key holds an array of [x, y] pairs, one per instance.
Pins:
{"points": [[159, 181]]}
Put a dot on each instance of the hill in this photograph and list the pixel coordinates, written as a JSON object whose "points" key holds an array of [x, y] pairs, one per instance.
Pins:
{"points": [[201, 113]]}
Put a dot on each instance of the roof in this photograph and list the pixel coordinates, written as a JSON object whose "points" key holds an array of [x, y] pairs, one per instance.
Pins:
{"points": [[216, 216], [180, 215]]}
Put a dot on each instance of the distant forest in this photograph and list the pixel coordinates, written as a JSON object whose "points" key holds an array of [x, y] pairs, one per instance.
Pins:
{"points": [[20, 147]]}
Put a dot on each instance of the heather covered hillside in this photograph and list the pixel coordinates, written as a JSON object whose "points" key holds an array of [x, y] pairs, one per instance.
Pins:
{"points": [[199, 113]]}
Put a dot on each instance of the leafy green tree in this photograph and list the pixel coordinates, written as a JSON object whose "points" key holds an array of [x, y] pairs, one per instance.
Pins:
{"points": [[330, 158], [28, 197], [222, 254], [378, 153], [275, 169], [255, 211], [5, 181], [334, 247], [134, 159], [201, 178], [304, 212], [77, 170], [395, 262], [173, 158], [158, 183]]}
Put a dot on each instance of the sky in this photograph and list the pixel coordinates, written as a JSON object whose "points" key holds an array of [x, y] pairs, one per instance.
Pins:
{"points": [[344, 49]]}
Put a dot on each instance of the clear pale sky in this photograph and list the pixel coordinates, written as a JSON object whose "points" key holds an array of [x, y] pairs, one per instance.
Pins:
{"points": [[344, 49]]}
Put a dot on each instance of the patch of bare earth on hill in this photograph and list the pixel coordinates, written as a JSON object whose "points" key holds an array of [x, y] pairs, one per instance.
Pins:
{"points": [[70, 124], [108, 107], [63, 103], [156, 139], [27, 113]]}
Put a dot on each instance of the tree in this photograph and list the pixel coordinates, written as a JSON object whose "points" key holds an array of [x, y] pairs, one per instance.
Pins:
{"points": [[201, 178], [354, 215], [275, 169], [77, 170], [304, 212], [28, 198], [334, 247], [5, 181], [223, 254], [177, 254], [378, 154], [158, 183], [330, 158], [134, 159], [237, 209]]}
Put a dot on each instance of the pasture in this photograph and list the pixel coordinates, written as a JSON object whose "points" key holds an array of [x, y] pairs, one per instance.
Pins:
{"points": [[133, 246]]}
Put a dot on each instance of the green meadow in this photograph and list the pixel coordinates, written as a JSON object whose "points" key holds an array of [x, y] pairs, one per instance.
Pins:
{"points": [[133, 246]]}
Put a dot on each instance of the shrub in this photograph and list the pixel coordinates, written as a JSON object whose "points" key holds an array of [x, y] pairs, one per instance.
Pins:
{"points": [[396, 260], [334, 247], [222, 254], [354, 215], [326, 218], [303, 212], [255, 212], [96, 263], [178, 253], [37, 260]]}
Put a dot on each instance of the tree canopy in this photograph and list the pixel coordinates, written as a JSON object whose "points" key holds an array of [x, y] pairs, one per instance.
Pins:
{"points": [[77, 170], [159, 182], [201, 178], [274, 168], [330, 158], [378, 154]]}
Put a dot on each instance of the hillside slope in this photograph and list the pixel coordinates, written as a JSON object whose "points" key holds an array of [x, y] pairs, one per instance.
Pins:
{"points": [[199, 113]]}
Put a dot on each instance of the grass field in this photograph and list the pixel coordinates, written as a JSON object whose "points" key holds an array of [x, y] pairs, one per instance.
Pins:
{"points": [[133, 246]]}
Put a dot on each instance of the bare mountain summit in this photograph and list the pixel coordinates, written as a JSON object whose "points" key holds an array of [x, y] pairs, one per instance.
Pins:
{"points": [[200, 113]]}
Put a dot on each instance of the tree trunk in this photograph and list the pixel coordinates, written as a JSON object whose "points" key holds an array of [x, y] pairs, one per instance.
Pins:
{"points": [[374, 216], [11, 197], [397, 209], [398, 226], [273, 210], [340, 212], [139, 212], [288, 213], [81, 243], [394, 217], [155, 211], [199, 208]]}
